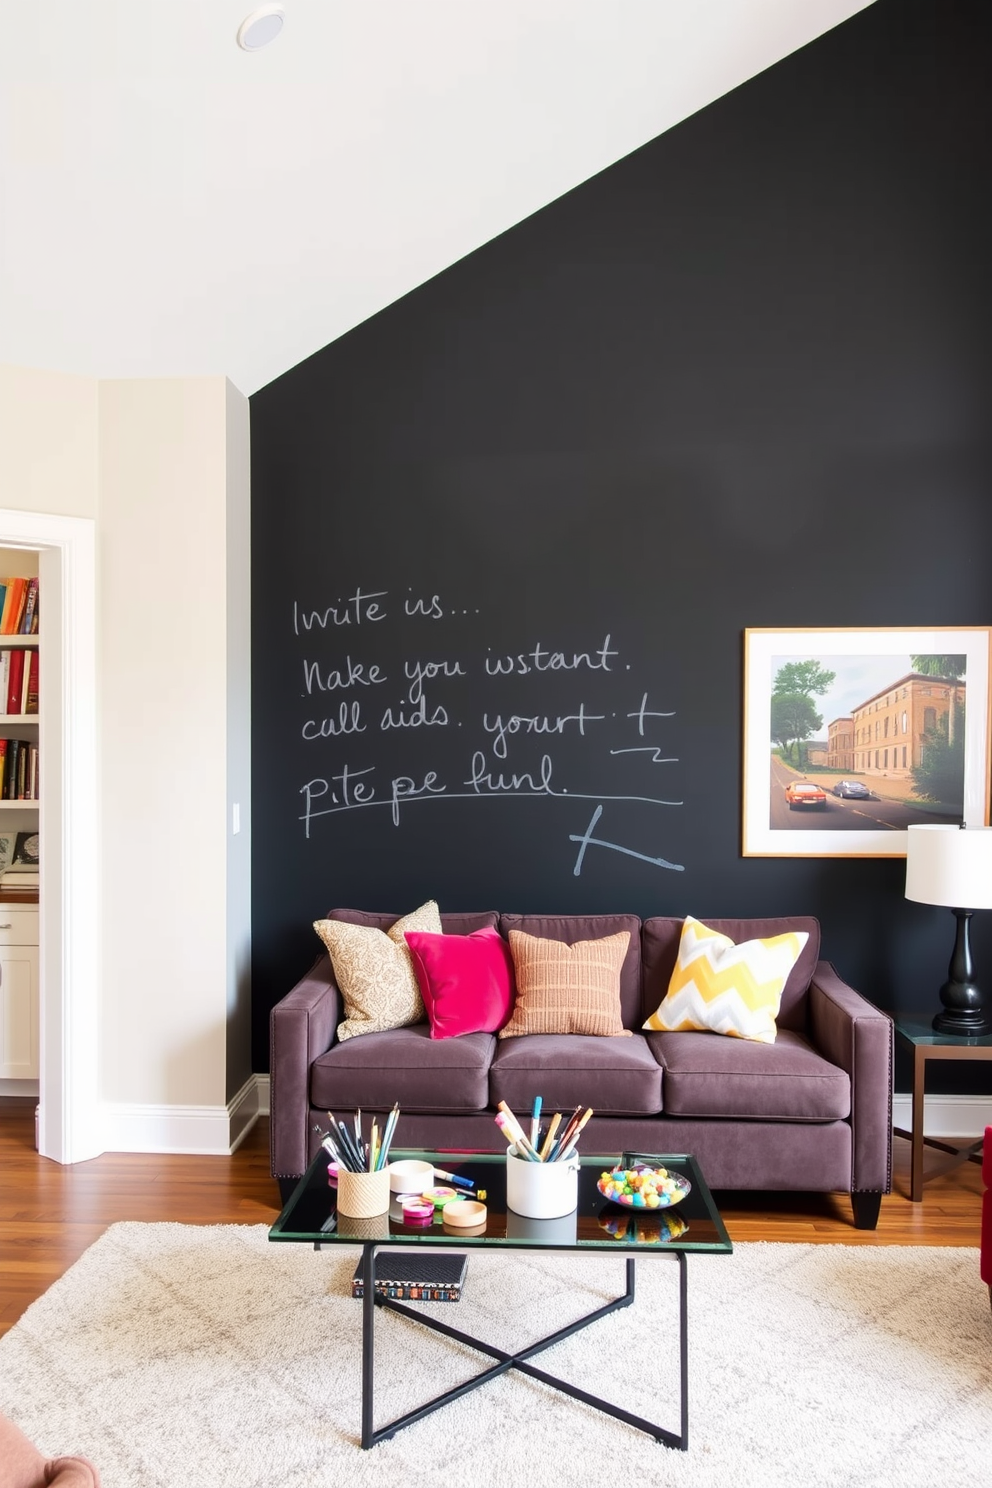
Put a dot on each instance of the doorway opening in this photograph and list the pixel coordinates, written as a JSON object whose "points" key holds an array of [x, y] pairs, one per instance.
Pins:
{"points": [[69, 1127]]}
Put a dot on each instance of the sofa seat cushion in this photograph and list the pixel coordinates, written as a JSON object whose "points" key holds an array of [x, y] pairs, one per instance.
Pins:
{"points": [[616, 1076], [707, 1075], [405, 1065]]}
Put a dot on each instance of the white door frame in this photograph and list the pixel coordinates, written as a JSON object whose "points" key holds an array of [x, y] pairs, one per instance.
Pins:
{"points": [[70, 1127]]}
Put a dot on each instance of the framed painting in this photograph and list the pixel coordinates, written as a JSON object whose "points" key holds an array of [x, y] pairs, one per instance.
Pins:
{"points": [[851, 736]]}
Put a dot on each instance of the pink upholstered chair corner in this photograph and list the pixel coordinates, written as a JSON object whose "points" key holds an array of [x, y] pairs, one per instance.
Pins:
{"points": [[986, 1251], [23, 1466]]}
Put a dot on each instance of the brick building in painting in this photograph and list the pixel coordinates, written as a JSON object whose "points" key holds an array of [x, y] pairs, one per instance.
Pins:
{"points": [[888, 728], [840, 745]]}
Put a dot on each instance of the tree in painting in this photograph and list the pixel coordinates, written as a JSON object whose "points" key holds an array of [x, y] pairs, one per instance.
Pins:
{"points": [[940, 774], [794, 715]]}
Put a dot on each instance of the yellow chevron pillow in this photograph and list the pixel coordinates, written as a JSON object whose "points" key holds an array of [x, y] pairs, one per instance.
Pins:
{"points": [[727, 988]]}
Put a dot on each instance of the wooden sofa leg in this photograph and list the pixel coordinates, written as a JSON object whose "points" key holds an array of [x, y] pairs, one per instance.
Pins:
{"points": [[866, 1205]]}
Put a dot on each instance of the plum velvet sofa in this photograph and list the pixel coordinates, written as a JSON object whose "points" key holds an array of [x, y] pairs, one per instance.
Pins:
{"points": [[22, 1465], [985, 1254], [811, 1111]]}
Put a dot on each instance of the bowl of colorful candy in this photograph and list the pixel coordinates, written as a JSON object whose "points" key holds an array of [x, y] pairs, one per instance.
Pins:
{"points": [[643, 1188], [647, 1226]]}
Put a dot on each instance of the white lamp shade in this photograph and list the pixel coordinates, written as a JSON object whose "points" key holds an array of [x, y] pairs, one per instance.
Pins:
{"points": [[950, 866]]}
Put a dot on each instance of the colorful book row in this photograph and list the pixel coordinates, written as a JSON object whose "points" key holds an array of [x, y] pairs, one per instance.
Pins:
{"points": [[402, 1291], [416, 1278], [18, 606], [18, 680], [18, 770]]}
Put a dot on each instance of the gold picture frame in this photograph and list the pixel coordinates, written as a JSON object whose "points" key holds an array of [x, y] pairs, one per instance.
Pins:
{"points": [[851, 736]]}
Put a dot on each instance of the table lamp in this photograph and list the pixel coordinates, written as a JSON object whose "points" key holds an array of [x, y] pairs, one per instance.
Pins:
{"points": [[953, 866]]}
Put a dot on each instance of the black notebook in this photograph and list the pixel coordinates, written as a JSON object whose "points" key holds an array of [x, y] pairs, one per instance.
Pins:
{"points": [[434, 1277]]}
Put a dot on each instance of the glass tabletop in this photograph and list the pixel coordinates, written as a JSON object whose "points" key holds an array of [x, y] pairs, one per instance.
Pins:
{"points": [[920, 1031], [694, 1224]]}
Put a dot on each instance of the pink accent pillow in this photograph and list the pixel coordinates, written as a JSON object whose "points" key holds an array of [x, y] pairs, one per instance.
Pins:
{"points": [[466, 981]]}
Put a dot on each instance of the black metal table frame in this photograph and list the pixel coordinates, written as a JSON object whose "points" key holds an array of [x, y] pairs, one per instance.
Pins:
{"points": [[506, 1361]]}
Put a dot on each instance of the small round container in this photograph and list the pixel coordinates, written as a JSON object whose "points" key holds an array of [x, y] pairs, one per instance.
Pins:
{"points": [[466, 1214], [410, 1175], [440, 1197], [417, 1210], [464, 1230]]}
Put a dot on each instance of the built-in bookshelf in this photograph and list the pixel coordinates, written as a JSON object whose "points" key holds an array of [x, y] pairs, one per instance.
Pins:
{"points": [[20, 740], [20, 662], [19, 722]]}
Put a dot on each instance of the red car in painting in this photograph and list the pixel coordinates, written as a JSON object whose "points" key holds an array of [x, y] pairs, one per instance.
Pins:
{"points": [[805, 793]]}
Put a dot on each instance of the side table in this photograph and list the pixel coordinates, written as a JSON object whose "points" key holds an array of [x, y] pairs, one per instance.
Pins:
{"points": [[927, 1044]]}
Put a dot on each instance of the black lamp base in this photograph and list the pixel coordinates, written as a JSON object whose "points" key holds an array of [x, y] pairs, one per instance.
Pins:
{"points": [[962, 1025], [964, 1015]]}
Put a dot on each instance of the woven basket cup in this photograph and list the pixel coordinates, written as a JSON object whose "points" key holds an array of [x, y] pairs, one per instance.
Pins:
{"points": [[362, 1195], [375, 1227]]}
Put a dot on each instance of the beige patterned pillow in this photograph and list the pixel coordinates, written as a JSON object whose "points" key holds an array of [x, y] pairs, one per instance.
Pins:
{"points": [[374, 972], [567, 988]]}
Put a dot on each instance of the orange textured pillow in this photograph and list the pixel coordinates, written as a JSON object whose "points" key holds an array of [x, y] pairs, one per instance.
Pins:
{"points": [[567, 988]]}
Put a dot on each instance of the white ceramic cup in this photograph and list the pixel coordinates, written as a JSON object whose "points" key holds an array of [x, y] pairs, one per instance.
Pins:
{"points": [[411, 1175], [539, 1190]]}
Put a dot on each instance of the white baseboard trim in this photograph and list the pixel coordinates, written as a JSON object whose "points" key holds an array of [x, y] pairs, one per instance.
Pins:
{"points": [[208, 1131], [262, 1086], [19, 1088], [945, 1115]]}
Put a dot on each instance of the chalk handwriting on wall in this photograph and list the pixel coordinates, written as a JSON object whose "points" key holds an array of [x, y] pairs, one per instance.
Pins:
{"points": [[408, 673]]}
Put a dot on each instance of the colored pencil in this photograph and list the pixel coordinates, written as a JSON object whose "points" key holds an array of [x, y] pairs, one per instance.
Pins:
{"points": [[535, 1121], [565, 1134], [566, 1152], [549, 1139], [516, 1137], [346, 1142], [387, 1137]]}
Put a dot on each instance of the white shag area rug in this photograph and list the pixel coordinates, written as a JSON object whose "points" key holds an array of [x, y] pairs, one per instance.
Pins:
{"points": [[180, 1356]]}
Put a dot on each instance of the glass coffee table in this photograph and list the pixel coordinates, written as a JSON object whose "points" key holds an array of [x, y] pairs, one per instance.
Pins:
{"points": [[311, 1217]]}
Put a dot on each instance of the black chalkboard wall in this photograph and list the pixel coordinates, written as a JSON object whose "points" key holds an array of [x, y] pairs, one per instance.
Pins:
{"points": [[739, 379]]}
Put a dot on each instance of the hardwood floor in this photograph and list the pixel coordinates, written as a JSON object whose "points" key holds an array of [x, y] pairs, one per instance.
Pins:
{"points": [[49, 1214]]}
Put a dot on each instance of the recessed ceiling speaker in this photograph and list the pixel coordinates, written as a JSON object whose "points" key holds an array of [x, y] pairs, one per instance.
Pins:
{"points": [[261, 27]]}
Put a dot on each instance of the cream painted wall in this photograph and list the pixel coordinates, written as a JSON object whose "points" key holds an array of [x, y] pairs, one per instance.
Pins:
{"points": [[163, 467], [48, 442], [238, 741], [161, 627]]}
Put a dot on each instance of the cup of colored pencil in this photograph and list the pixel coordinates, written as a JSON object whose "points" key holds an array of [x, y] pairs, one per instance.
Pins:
{"points": [[542, 1167], [362, 1164], [557, 1144]]}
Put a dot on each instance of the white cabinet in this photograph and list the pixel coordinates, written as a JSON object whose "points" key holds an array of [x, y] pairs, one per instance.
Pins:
{"points": [[18, 992]]}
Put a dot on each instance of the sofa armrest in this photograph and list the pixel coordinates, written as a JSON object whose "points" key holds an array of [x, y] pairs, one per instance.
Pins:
{"points": [[301, 1027], [24, 1466], [855, 1035], [985, 1254]]}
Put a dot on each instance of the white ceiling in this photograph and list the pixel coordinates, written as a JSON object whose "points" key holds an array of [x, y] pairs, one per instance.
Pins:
{"points": [[173, 206]]}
